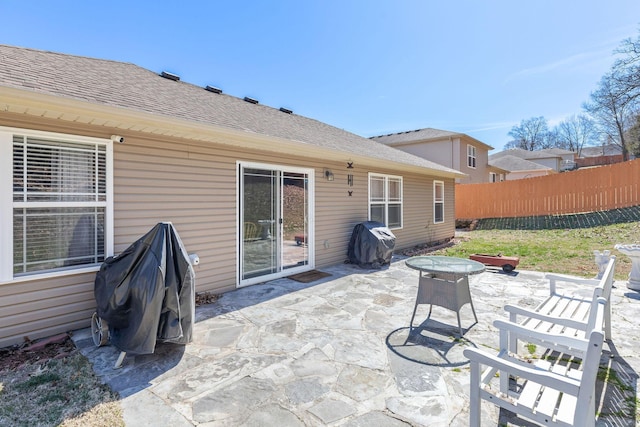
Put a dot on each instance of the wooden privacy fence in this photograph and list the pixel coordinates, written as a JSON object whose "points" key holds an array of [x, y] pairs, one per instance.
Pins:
{"points": [[585, 190]]}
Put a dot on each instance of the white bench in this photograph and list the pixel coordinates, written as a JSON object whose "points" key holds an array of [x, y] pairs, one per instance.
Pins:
{"points": [[548, 392], [561, 315]]}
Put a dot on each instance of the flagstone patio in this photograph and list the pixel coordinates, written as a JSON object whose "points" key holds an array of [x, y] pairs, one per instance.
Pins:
{"points": [[337, 352]]}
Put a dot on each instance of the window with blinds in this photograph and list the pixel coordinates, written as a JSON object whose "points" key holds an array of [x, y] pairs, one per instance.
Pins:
{"points": [[438, 201], [59, 204], [385, 200]]}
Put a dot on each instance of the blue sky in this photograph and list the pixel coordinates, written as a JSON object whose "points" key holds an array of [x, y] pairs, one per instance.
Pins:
{"points": [[367, 66]]}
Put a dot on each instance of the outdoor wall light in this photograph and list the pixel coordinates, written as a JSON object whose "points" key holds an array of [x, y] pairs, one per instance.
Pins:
{"points": [[328, 174]]}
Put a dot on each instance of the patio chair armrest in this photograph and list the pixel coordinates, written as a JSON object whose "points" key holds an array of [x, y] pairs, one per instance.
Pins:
{"points": [[554, 278], [564, 321], [529, 372], [565, 278], [550, 340]]}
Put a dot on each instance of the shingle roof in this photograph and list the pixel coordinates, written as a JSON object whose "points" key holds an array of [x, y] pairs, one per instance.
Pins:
{"points": [[607, 150], [426, 134], [555, 150], [516, 152], [128, 86], [514, 163], [525, 154], [542, 155], [414, 135]]}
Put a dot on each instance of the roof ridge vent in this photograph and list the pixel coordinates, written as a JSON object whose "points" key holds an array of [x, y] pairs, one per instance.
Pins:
{"points": [[250, 100], [213, 89], [170, 76], [286, 110]]}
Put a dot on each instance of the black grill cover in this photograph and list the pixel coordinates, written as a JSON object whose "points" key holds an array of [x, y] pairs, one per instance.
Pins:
{"points": [[147, 292], [371, 245]]}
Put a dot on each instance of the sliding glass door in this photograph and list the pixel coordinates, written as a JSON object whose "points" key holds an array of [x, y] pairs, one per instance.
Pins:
{"points": [[275, 222]]}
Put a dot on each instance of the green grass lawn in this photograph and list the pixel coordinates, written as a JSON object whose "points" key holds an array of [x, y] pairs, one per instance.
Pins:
{"points": [[59, 392], [557, 251]]}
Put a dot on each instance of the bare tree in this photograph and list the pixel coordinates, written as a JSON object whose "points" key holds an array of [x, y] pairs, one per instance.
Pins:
{"points": [[576, 132], [552, 139], [634, 137], [614, 110], [530, 134], [626, 69]]}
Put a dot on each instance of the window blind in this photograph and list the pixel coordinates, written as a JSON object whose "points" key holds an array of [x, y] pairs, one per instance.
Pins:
{"points": [[59, 203]]}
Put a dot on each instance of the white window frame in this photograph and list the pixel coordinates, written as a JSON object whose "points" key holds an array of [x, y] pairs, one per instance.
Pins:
{"points": [[387, 202], [493, 177], [437, 201], [240, 166], [7, 204], [471, 156]]}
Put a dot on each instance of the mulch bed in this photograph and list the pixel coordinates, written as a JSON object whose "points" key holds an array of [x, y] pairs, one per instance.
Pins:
{"points": [[428, 248], [203, 298], [36, 352]]}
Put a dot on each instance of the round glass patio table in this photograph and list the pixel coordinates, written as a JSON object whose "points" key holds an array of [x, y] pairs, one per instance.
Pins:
{"points": [[445, 265], [444, 281]]}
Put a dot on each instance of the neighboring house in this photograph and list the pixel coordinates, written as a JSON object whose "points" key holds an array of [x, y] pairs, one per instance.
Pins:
{"points": [[562, 160], [601, 150], [555, 159], [567, 158], [546, 158], [520, 168], [94, 153], [600, 155], [552, 161], [451, 149]]}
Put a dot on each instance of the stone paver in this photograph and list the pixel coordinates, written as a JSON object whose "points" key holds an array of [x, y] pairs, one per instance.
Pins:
{"points": [[338, 352]]}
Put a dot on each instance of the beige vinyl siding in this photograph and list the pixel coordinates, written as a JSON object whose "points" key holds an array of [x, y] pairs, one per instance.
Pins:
{"points": [[480, 173], [452, 153], [193, 185], [40, 308], [337, 212], [450, 209], [418, 226], [441, 152]]}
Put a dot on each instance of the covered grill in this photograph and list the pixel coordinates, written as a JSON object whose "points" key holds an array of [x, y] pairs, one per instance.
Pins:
{"points": [[371, 245], [147, 293]]}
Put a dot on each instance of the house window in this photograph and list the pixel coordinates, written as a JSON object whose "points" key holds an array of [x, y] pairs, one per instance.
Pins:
{"points": [[438, 201], [471, 156], [385, 199], [493, 177], [58, 210]]}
